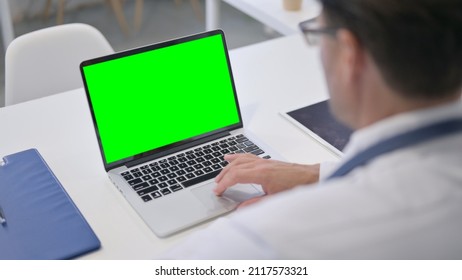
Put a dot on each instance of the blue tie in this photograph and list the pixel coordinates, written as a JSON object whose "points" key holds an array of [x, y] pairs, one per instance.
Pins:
{"points": [[413, 137]]}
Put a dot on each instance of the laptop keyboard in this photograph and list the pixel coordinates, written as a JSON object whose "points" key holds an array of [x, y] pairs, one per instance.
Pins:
{"points": [[183, 170]]}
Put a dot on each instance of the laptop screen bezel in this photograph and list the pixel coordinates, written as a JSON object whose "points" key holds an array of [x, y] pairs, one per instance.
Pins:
{"points": [[152, 154]]}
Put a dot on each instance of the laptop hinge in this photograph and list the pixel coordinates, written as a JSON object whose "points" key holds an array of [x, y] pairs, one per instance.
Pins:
{"points": [[177, 149]]}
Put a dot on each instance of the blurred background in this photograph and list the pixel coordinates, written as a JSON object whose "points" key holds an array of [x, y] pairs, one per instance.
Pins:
{"points": [[126, 28]]}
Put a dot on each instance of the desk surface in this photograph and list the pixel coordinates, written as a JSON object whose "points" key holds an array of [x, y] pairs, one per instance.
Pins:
{"points": [[270, 77]]}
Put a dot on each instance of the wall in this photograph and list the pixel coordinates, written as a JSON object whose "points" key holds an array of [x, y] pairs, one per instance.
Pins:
{"points": [[21, 9]]}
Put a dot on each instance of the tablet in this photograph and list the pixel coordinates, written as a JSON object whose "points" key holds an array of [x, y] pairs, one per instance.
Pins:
{"points": [[318, 122]]}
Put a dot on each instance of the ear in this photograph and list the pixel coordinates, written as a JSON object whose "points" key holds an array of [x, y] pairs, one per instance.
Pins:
{"points": [[351, 55]]}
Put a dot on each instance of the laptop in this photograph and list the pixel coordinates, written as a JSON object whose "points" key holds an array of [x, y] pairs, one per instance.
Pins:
{"points": [[164, 116]]}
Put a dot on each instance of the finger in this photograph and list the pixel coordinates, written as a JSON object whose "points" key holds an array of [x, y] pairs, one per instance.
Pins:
{"points": [[234, 176], [229, 158], [232, 157]]}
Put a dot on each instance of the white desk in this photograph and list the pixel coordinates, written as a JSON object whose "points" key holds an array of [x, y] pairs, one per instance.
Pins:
{"points": [[270, 77], [268, 12]]}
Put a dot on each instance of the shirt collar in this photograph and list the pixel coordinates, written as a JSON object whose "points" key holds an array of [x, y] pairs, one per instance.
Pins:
{"points": [[397, 124]]}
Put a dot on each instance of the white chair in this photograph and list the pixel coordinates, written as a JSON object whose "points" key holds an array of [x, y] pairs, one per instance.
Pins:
{"points": [[46, 61]]}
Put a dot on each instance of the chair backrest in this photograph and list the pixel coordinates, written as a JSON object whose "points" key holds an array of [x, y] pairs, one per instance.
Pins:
{"points": [[46, 61]]}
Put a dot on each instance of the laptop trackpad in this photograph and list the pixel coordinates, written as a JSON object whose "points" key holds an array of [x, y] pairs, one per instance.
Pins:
{"points": [[242, 192], [229, 200]]}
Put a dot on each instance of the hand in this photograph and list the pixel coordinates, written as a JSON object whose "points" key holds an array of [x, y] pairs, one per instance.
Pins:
{"points": [[274, 176]]}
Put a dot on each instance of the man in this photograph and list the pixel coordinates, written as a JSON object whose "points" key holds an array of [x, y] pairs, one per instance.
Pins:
{"points": [[394, 73]]}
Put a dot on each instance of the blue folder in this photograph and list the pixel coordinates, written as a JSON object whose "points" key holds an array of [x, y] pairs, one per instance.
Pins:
{"points": [[38, 220]]}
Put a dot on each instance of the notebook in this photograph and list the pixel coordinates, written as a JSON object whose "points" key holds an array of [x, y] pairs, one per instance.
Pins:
{"points": [[38, 220], [164, 116]]}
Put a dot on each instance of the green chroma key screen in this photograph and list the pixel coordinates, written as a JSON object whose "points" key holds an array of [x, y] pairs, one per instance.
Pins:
{"points": [[155, 98]]}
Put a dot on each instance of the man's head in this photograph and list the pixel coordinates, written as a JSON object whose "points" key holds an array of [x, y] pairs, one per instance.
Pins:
{"points": [[416, 45]]}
